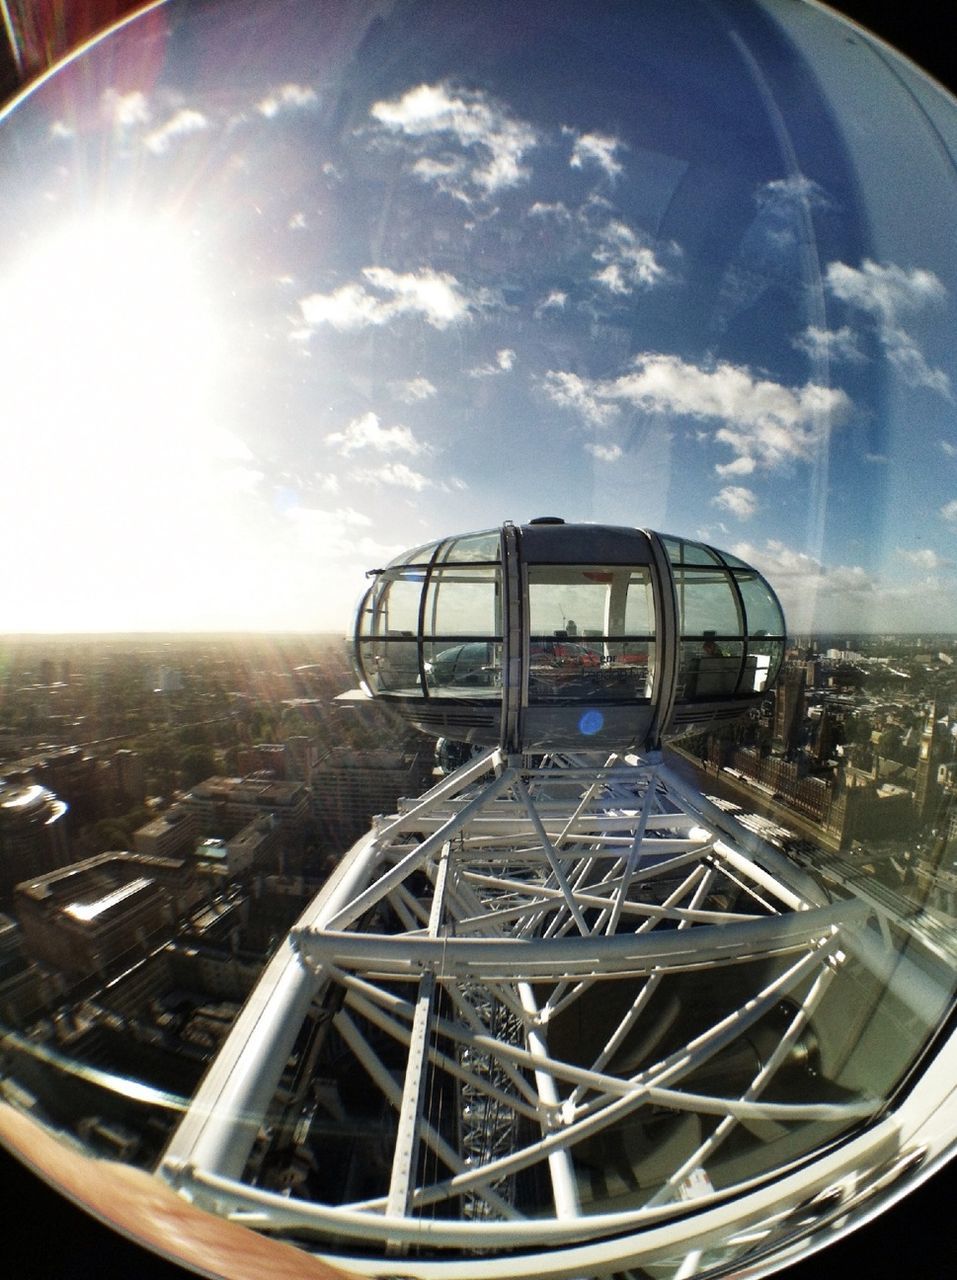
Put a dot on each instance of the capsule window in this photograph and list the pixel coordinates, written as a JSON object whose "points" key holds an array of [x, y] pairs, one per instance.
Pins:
{"points": [[764, 662], [680, 552], [763, 611], [390, 665], [707, 604], [393, 607], [591, 632], [471, 669], [475, 548], [464, 603]]}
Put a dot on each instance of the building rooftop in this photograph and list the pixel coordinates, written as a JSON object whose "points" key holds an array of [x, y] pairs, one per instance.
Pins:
{"points": [[261, 791], [90, 910]]}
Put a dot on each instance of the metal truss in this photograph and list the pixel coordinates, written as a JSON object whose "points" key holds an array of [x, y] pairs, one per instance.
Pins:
{"points": [[556, 1005]]}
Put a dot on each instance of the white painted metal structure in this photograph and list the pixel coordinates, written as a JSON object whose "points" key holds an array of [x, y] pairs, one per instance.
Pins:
{"points": [[559, 1022]]}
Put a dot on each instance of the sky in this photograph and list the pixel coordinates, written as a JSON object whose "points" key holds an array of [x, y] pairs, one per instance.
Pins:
{"points": [[286, 288]]}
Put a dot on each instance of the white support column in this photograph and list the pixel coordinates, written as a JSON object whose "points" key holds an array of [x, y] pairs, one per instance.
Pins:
{"points": [[405, 1156], [560, 1165]]}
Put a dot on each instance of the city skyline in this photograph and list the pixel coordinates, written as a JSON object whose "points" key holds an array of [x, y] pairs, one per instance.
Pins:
{"points": [[278, 306]]}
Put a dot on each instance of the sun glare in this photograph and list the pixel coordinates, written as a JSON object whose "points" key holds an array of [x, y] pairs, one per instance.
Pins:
{"points": [[110, 348], [107, 320]]}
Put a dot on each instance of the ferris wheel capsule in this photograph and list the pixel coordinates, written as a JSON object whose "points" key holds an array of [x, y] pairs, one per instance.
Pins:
{"points": [[550, 635]]}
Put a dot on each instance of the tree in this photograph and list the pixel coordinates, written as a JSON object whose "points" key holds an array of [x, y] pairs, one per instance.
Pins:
{"points": [[195, 764]]}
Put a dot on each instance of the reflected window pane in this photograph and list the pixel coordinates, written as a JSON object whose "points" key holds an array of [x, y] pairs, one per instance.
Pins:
{"points": [[762, 672], [707, 670], [472, 670]]}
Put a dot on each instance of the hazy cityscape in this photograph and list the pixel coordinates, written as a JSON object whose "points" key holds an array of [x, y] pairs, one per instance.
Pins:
{"points": [[169, 805]]}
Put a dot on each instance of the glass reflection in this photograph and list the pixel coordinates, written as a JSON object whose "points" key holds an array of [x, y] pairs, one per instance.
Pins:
{"points": [[284, 289]]}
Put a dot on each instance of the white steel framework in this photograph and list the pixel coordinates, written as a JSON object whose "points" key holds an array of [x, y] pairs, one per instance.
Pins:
{"points": [[549, 1006]]}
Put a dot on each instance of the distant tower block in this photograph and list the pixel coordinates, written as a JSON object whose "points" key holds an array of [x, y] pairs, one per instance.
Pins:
{"points": [[789, 709], [926, 789], [560, 636]]}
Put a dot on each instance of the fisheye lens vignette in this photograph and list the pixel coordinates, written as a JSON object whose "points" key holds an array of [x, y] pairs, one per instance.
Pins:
{"points": [[170, 668]]}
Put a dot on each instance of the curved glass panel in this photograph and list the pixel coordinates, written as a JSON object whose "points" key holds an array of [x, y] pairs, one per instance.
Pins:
{"points": [[418, 555], [463, 603], [707, 604], [477, 546], [286, 287], [393, 608], [680, 551], [763, 613], [466, 670]]}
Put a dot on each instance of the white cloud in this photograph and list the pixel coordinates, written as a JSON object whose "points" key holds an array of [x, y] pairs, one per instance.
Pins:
{"points": [[436, 296], [569, 391], [337, 533], [544, 209], [288, 97], [504, 362], [413, 390], [888, 293], [783, 193], [396, 474], [925, 558], [884, 291], [833, 344], [948, 448], [763, 423], [475, 122], [597, 148], [814, 596], [910, 362], [604, 452], [847, 597], [440, 172], [628, 261], [297, 221], [554, 301], [949, 512], [179, 125], [125, 109], [366, 433], [741, 502]]}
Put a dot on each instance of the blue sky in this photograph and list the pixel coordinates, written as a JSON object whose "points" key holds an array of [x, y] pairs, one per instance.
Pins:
{"points": [[283, 293]]}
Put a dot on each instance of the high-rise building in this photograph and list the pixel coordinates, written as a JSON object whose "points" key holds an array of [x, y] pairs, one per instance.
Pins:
{"points": [[129, 775], [266, 758], [926, 787], [168, 834], [33, 837], [91, 916], [224, 805], [789, 709], [350, 787]]}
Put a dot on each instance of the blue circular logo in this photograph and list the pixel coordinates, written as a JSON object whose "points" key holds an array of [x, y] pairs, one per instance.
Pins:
{"points": [[591, 722]]}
